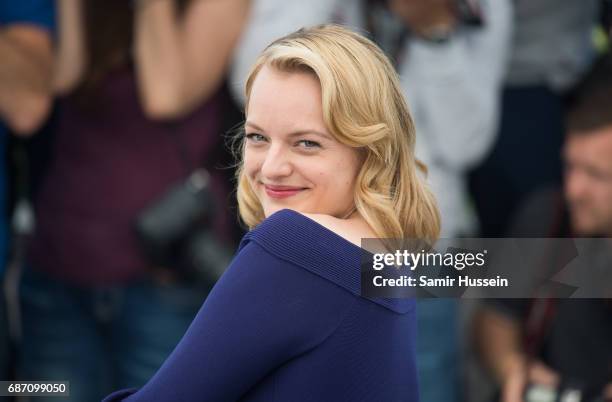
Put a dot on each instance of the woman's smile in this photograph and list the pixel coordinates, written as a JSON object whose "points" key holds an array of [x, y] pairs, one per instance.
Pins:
{"points": [[280, 192]]}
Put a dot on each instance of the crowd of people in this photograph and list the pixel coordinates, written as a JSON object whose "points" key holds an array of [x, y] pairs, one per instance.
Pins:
{"points": [[116, 114]]}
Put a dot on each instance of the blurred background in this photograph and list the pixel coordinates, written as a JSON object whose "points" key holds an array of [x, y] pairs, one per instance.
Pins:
{"points": [[116, 176]]}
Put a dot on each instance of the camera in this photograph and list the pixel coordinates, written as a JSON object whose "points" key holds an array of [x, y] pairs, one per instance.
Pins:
{"points": [[568, 391], [175, 231]]}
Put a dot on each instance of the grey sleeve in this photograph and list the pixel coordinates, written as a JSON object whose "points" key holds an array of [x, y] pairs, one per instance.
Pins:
{"points": [[453, 89], [269, 20]]}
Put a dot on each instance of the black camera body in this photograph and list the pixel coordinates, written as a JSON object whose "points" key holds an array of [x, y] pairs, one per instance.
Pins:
{"points": [[175, 231]]}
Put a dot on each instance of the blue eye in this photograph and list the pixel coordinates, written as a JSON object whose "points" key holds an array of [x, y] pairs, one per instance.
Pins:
{"points": [[309, 144], [254, 137]]}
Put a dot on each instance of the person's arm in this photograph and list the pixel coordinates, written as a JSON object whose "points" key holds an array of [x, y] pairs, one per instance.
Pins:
{"points": [[70, 49], [261, 313], [181, 60], [453, 88], [25, 77], [270, 20], [498, 338], [424, 17]]}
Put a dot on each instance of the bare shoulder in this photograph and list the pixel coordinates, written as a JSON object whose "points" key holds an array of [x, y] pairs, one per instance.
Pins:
{"points": [[352, 230]]}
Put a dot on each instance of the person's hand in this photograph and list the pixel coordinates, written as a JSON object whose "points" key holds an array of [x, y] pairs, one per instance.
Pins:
{"points": [[607, 392], [425, 16], [520, 375], [514, 384]]}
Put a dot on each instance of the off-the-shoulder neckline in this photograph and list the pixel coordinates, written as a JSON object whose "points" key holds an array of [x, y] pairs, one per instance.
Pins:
{"points": [[320, 225], [302, 241]]}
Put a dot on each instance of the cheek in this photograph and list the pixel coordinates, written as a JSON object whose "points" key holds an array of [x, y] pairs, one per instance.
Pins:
{"points": [[351, 169], [605, 195], [334, 174], [251, 164], [342, 178], [318, 175]]}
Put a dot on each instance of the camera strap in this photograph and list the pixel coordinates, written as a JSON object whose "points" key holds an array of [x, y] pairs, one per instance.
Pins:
{"points": [[180, 146], [197, 177], [542, 309], [385, 30]]}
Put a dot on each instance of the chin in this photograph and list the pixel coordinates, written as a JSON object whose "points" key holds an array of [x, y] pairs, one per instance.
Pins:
{"points": [[582, 228], [272, 209], [270, 206]]}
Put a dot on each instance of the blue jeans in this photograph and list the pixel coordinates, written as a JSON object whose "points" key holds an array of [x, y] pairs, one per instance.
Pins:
{"points": [[437, 350], [100, 339], [4, 337]]}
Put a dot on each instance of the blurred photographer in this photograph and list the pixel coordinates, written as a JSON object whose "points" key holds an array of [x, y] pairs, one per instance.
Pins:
{"points": [[560, 349], [139, 111], [552, 48]]}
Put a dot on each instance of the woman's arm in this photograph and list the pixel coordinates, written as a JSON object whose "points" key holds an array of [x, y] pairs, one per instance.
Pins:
{"points": [[25, 75], [70, 50], [181, 61]]}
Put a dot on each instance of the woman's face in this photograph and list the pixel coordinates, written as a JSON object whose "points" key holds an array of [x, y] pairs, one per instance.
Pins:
{"points": [[291, 160]]}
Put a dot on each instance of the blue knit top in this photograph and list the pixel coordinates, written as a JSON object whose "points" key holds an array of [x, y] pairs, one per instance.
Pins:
{"points": [[286, 322]]}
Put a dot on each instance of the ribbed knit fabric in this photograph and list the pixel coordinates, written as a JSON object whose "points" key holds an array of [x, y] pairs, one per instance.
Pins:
{"points": [[286, 323]]}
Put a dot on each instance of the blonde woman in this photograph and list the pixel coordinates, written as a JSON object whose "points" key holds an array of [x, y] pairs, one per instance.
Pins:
{"points": [[327, 159]]}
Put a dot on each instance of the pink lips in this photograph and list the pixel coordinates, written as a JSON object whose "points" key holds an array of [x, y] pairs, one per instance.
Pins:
{"points": [[281, 191]]}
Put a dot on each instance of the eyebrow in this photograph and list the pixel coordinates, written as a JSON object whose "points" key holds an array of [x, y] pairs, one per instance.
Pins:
{"points": [[293, 134]]}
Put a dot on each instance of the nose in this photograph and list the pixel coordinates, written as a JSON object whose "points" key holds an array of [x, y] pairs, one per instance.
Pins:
{"points": [[277, 163]]}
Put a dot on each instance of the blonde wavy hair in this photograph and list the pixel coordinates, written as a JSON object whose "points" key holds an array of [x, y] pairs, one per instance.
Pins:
{"points": [[363, 107]]}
